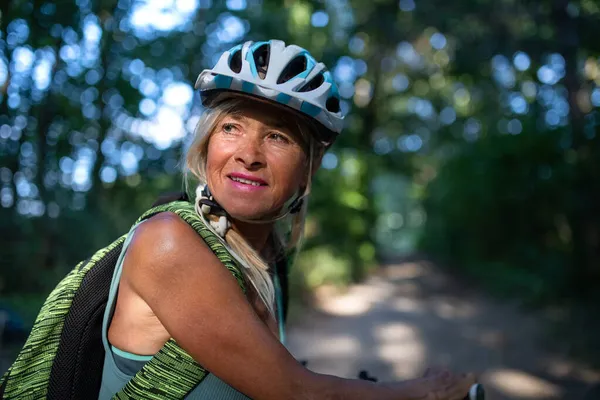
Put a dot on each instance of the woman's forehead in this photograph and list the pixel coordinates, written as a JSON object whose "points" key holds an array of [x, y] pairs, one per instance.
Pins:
{"points": [[269, 116]]}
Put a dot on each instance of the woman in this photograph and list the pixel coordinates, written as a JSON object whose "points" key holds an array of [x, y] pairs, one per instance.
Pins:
{"points": [[272, 112]]}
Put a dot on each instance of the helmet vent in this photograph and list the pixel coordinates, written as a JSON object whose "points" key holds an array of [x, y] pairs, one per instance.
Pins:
{"points": [[294, 68], [333, 104], [235, 62], [313, 83], [261, 60]]}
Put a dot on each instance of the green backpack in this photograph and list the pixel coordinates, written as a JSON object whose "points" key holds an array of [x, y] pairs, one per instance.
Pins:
{"points": [[63, 356]]}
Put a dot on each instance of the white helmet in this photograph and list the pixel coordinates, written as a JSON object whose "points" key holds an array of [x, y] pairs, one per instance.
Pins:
{"points": [[288, 75]]}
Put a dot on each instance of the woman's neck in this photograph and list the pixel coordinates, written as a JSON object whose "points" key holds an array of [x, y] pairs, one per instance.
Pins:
{"points": [[257, 235]]}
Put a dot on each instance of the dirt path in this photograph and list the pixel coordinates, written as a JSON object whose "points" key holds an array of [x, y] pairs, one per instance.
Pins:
{"points": [[412, 315]]}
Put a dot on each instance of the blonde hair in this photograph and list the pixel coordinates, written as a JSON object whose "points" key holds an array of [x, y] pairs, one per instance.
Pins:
{"points": [[256, 269]]}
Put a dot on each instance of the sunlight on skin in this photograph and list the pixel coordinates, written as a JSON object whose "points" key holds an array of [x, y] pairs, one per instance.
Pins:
{"points": [[520, 384], [399, 345]]}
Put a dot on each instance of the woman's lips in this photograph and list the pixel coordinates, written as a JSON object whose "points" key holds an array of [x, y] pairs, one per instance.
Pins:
{"points": [[247, 184], [247, 179]]}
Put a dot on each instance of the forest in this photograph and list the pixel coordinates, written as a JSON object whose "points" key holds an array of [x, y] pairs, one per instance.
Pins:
{"points": [[471, 134]]}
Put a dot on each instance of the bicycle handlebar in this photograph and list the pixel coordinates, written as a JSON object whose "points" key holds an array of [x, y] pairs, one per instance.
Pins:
{"points": [[476, 392]]}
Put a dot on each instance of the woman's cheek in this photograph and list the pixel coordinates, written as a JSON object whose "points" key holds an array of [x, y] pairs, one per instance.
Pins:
{"points": [[287, 164]]}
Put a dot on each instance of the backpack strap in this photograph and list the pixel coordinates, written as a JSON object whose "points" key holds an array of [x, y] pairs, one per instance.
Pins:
{"points": [[282, 269], [29, 377], [172, 373], [3, 381]]}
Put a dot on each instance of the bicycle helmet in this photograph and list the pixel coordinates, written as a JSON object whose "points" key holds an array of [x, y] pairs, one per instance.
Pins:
{"points": [[287, 75]]}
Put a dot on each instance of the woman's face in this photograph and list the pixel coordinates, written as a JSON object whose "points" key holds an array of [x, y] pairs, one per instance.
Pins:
{"points": [[254, 164]]}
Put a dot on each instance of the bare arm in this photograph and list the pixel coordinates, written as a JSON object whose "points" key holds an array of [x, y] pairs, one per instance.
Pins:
{"points": [[200, 304]]}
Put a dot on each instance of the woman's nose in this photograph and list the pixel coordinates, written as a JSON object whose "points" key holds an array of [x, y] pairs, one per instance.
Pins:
{"points": [[250, 153]]}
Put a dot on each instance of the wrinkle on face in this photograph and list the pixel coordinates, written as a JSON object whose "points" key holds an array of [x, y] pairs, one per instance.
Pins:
{"points": [[252, 145]]}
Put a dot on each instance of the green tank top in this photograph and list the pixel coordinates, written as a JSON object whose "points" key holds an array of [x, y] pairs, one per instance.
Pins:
{"points": [[120, 367]]}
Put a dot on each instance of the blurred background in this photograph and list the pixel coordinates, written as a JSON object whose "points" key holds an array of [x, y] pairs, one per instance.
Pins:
{"points": [[469, 167]]}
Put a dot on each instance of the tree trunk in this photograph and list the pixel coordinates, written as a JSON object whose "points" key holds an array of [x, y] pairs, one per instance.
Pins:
{"points": [[584, 191], [45, 227]]}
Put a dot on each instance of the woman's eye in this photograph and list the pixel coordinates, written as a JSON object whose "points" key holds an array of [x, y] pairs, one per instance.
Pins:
{"points": [[279, 137], [229, 128]]}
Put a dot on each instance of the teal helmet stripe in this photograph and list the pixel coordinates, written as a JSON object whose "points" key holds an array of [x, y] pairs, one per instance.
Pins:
{"points": [[322, 102], [233, 50], [334, 89], [283, 98], [310, 64], [248, 87], [310, 109], [256, 46], [250, 57], [223, 82], [250, 60]]}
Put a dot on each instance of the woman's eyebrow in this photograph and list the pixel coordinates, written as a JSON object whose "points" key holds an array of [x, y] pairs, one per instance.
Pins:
{"points": [[236, 117], [271, 123], [278, 125]]}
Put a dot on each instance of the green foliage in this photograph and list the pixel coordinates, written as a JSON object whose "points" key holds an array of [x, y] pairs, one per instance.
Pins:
{"points": [[27, 306], [500, 209], [482, 114], [319, 266]]}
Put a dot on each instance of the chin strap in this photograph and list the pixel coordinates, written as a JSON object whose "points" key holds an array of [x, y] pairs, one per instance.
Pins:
{"points": [[296, 205], [209, 206]]}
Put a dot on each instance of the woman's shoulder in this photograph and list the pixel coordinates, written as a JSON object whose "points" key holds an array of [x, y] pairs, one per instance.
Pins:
{"points": [[165, 240], [166, 227]]}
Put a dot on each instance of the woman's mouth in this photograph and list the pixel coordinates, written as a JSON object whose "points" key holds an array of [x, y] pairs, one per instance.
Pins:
{"points": [[247, 182]]}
